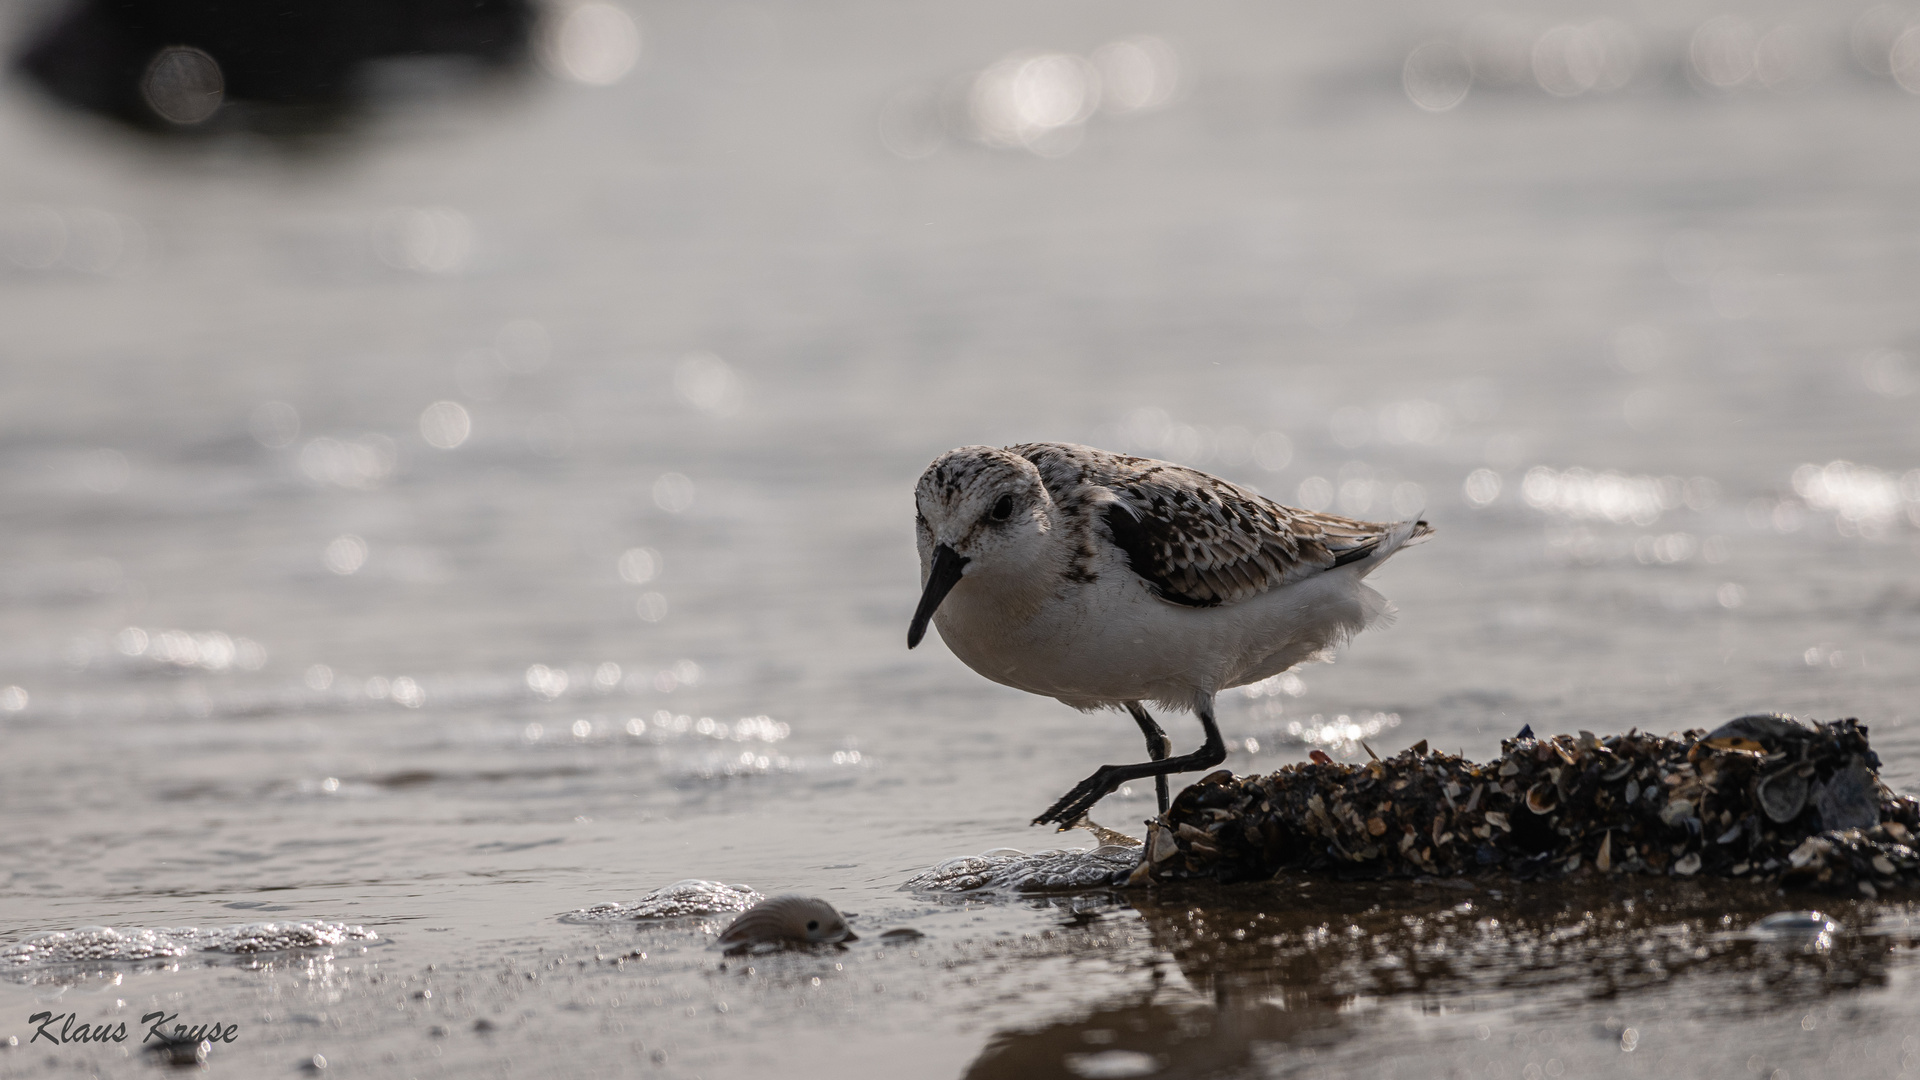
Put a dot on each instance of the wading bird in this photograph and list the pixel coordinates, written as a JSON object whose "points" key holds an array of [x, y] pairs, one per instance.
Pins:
{"points": [[1109, 581]]}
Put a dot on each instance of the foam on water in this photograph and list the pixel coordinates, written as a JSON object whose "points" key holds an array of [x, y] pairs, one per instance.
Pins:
{"points": [[682, 898], [105, 943], [1012, 870]]}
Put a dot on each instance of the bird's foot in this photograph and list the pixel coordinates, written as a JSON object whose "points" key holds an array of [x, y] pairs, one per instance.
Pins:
{"points": [[1077, 802]]}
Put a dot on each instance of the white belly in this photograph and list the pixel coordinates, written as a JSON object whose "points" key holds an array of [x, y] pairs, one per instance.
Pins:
{"points": [[1112, 641]]}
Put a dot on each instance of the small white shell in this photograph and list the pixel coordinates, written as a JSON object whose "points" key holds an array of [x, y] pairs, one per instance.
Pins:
{"points": [[787, 920]]}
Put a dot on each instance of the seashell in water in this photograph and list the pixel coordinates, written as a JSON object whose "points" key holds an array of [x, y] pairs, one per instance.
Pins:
{"points": [[1541, 798], [787, 920], [1782, 795]]}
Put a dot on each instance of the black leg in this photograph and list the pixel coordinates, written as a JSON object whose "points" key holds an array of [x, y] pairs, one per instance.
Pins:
{"points": [[1091, 790], [1158, 746]]}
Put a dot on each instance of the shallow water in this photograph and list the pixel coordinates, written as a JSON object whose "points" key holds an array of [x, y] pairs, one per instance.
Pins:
{"points": [[297, 663]]}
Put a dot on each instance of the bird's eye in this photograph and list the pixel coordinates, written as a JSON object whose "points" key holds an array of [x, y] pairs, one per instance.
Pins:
{"points": [[1003, 509], [813, 924]]}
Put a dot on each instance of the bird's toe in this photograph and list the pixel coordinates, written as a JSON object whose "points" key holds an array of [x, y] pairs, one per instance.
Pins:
{"points": [[1077, 802]]}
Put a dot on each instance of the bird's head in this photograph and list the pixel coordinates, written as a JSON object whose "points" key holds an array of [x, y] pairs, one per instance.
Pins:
{"points": [[978, 510]]}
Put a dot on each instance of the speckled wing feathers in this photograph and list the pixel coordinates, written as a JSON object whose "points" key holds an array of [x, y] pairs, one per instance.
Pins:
{"points": [[1197, 540]]}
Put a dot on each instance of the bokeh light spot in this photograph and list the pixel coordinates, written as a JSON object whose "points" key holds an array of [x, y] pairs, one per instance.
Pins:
{"points": [[596, 44], [707, 383], [1437, 76], [274, 424], [1315, 493], [1273, 451], [183, 85], [673, 492], [651, 607], [425, 240], [345, 555], [637, 566], [1888, 373], [1569, 60], [1136, 74], [1481, 488], [445, 425], [1722, 51]]}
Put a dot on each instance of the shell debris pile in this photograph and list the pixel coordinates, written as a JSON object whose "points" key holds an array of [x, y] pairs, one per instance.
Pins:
{"points": [[1763, 797]]}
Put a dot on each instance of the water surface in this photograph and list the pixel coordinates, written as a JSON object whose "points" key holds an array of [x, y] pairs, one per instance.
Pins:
{"points": [[285, 638]]}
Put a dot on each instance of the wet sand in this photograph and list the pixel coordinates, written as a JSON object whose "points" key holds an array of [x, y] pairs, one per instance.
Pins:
{"points": [[319, 664]]}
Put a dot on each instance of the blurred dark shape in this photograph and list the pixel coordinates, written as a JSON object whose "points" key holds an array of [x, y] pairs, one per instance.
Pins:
{"points": [[170, 65]]}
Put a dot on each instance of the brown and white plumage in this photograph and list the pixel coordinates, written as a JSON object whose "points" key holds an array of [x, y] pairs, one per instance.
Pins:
{"points": [[1105, 580], [1197, 539]]}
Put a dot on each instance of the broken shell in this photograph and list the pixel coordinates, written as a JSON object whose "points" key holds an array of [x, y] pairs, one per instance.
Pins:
{"points": [[1810, 849], [1605, 859], [1617, 772], [1375, 826], [1498, 820], [1883, 865], [1675, 812], [1846, 801], [1782, 795], [1633, 791], [787, 920], [1687, 864], [1160, 845], [1509, 768], [1541, 799]]}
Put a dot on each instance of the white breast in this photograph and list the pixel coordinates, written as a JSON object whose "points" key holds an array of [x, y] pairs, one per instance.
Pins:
{"points": [[1111, 641]]}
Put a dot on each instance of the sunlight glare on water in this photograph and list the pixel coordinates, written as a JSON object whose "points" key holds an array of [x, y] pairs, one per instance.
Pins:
{"points": [[466, 525]]}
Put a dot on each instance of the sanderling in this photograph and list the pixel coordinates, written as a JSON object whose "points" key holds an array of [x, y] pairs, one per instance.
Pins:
{"points": [[1108, 581]]}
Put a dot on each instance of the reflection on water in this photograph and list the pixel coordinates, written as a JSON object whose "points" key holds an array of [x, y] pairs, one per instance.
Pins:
{"points": [[512, 514], [1271, 977], [1142, 1036]]}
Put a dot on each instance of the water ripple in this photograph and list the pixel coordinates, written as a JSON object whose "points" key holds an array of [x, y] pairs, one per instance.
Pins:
{"points": [[100, 943], [682, 898], [1012, 870]]}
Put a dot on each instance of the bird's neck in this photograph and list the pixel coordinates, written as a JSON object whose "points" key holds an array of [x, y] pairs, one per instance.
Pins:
{"points": [[1010, 596]]}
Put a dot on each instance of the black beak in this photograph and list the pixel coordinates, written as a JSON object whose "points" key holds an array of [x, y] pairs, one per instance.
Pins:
{"points": [[947, 564]]}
